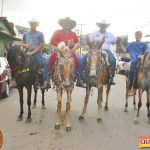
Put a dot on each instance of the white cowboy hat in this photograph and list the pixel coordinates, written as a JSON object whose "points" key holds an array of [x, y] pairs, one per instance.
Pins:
{"points": [[63, 21], [103, 22], [34, 21]]}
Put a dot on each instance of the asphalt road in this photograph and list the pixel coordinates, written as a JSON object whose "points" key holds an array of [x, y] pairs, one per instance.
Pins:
{"points": [[116, 132]]}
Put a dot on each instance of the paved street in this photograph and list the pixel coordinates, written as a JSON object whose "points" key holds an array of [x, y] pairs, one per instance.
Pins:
{"points": [[116, 132]]}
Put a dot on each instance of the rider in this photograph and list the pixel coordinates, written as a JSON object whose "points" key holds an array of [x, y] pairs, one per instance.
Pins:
{"points": [[67, 36], [109, 39], [137, 49], [34, 42]]}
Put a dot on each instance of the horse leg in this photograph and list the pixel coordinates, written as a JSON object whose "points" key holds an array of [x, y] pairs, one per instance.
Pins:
{"points": [[35, 98], [59, 105], [127, 89], [134, 100], [99, 102], [20, 90], [88, 89], [107, 93], [29, 90], [136, 120], [43, 102], [148, 105], [68, 113]]}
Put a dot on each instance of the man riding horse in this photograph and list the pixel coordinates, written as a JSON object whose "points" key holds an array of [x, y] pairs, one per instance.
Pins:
{"points": [[136, 50], [33, 41], [109, 39], [70, 39]]}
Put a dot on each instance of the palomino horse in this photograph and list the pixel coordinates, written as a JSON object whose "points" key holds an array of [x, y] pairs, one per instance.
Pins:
{"points": [[96, 74], [23, 70], [143, 82], [64, 77]]}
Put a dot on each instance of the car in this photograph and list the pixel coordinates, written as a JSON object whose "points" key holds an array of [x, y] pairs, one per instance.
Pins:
{"points": [[121, 63], [6, 80]]}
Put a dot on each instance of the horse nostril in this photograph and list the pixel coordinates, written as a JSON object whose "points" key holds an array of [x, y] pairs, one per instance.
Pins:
{"points": [[93, 72], [66, 83]]}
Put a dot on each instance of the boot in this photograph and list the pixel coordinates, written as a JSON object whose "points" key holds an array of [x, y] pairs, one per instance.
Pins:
{"points": [[111, 75], [46, 85]]}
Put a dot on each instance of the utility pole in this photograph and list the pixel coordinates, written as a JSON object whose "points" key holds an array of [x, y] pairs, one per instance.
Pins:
{"points": [[81, 25], [2, 7]]}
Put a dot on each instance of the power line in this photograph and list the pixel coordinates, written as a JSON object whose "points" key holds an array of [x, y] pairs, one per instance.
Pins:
{"points": [[138, 27]]}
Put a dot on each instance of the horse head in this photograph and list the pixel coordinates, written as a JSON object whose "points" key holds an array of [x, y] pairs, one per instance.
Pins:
{"points": [[66, 67], [17, 59], [93, 59]]}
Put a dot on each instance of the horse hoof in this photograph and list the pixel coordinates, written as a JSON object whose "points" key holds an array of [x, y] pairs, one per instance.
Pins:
{"points": [[43, 107], [99, 119], [148, 121], [34, 106], [136, 121], [57, 127], [125, 110], [68, 129], [106, 108], [19, 118], [81, 117], [28, 120], [135, 108]]}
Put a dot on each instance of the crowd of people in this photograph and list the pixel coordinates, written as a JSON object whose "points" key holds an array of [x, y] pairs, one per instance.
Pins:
{"points": [[34, 42]]}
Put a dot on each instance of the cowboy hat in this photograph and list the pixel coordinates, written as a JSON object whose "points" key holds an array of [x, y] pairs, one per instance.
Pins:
{"points": [[34, 21], [62, 22], [103, 22]]}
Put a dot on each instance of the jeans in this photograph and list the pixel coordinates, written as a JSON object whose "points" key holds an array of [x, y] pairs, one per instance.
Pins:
{"points": [[39, 62], [81, 66], [132, 69], [47, 67], [112, 61]]}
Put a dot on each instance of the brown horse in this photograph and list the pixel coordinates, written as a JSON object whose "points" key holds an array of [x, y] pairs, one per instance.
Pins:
{"points": [[138, 75], [143, 82], [96, 74], [64, 77]]}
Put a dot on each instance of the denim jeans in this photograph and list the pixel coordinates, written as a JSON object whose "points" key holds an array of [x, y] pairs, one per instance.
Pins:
{"points": [[132, 69], [80, 67], [112, 61], [39, 62], [46, 68]]}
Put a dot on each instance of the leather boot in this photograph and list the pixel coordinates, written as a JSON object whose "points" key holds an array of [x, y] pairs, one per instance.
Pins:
{"points": [[46, 85], [111, 76]]}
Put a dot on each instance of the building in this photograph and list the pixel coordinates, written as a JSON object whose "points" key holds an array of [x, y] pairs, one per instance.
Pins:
{"points": [[7, 35]]}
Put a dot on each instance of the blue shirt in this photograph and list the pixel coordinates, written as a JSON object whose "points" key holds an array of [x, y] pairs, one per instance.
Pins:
{"points": [[135, 49], [33, 38], [109, 39]]}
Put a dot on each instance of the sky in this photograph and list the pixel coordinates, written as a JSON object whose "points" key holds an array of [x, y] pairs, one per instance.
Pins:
{"points": [[125, 16]]}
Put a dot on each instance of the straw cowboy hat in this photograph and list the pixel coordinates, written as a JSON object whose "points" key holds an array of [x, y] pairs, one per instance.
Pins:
{"points": [[103, 22], [62, 22], [34, 21]]}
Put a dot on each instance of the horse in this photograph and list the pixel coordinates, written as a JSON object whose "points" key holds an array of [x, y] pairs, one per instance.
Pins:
{"points": [[23, 70], [97, 75], [64, 76], [143, 82]]}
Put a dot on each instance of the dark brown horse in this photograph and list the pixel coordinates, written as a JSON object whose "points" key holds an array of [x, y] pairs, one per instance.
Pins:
{"points": [[23, 70], [64, 77], [96, 74]]}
